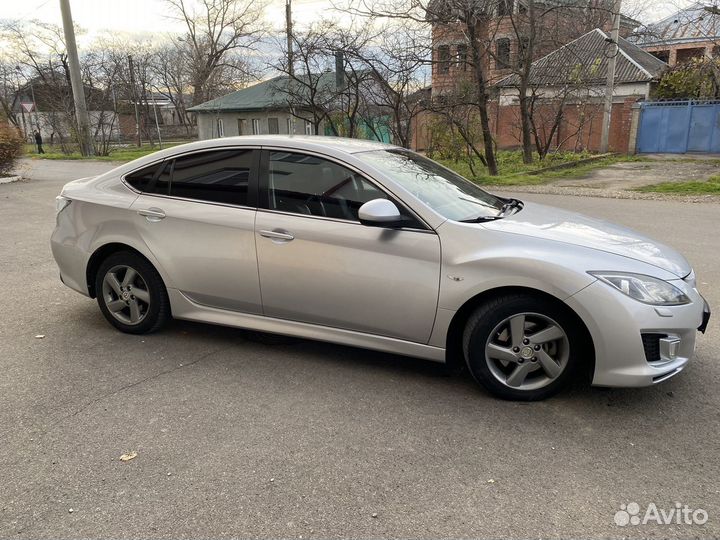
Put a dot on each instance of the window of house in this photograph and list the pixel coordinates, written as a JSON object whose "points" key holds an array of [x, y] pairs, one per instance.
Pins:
{"points": [[505, 7], [309, 185], [462, 57], [273, 126], [502, 53], [309, 128], [662, 55], [443, 58], [218, 176], [290, 129], [153, 179], [242, 126], [256, 126], [220, 128]]}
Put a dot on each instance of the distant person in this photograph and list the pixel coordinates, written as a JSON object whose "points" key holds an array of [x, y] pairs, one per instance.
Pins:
{"points": [[38, 142]]}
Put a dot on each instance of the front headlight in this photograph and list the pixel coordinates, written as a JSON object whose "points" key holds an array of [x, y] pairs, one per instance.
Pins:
{"points": [[642, 288]]}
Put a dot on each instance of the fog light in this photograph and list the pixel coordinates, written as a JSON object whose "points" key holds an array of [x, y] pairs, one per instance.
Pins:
{"points": [[669, 347]]}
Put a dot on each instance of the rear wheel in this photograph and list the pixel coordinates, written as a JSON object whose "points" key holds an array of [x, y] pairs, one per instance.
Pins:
{"points": [[521, 347], [131, 293]]}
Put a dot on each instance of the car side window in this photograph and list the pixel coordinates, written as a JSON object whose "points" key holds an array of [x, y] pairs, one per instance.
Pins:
{"points": [[217, 176], [152, 179], [309, 185]]}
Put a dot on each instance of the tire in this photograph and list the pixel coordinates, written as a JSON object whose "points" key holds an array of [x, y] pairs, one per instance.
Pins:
{"points": [[134, 303], [522, 365]]}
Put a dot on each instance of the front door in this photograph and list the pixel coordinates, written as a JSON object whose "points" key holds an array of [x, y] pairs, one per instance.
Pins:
{"points": [[197, 218], [319, 265]]}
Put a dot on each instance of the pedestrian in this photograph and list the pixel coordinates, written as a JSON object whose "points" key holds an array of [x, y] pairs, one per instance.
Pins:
{"points": [[38, 141]]}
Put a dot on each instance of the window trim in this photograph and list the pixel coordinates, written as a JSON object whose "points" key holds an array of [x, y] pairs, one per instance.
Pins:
{"points": [[253, 192], [263, 186]]}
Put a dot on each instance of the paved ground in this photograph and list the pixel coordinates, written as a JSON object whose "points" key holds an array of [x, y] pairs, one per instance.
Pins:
{"points": [[241, 435]]}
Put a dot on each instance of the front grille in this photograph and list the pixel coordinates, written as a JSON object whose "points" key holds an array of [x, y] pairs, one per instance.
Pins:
{"points": [[651, 344]]}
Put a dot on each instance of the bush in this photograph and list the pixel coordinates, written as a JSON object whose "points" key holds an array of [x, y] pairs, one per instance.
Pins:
{"points": [[11, 147]]}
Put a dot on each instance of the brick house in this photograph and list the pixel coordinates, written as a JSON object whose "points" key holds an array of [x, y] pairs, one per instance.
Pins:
{"points": [[690, 33], [572, 80], [560, 22]]}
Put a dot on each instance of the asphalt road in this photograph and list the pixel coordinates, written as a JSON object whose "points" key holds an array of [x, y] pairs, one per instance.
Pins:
{"points": [[239, 434]]}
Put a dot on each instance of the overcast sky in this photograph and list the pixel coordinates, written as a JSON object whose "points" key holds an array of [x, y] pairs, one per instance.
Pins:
{"points": [[149, 15], [138, 15]]}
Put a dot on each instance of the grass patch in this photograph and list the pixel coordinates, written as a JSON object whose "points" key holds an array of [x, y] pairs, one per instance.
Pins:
{"points": [[513, 172], [709, 187], [118, 153]]}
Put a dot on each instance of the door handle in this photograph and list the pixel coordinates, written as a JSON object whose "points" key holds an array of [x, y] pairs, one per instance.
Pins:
{"points": [[278, 234], [152, 214]]}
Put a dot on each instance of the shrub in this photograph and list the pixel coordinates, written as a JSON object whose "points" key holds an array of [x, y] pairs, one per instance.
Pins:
{"points": [[11, 147]]}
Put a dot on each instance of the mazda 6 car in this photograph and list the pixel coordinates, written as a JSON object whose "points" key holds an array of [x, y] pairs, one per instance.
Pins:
{"points": [[374, 246]]}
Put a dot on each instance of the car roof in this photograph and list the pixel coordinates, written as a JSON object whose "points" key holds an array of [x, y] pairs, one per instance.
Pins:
{"points": [[336, 145]]}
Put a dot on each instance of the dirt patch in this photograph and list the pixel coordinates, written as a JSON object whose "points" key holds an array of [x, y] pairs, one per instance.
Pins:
{"points": [[635, 174]]}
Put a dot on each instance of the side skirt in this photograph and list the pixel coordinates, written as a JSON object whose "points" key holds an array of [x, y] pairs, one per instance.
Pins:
{"points": [[186, 309]]}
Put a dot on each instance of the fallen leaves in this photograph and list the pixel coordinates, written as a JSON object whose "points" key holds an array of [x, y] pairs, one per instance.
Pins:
{"points": [[128, 456]]}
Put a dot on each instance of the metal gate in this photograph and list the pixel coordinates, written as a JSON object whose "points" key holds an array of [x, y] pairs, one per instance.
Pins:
{"points": [[679, 127]]}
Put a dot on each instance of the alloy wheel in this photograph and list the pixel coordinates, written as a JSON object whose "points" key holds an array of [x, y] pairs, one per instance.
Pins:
{"points": [[126, 294], [527, 351]]}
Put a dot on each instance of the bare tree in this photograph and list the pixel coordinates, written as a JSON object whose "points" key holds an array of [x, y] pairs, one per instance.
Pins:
{"points": [[309, 86], [463, 19], [215, 30]]}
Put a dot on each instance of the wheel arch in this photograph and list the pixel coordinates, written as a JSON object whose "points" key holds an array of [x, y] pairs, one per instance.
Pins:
{"points": [[102, 253], [453, 343]]}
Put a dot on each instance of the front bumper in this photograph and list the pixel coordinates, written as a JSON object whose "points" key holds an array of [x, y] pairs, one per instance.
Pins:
{"points": [[618, 323]]}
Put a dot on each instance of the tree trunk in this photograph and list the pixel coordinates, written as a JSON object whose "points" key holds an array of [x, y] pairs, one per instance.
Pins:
{"points": [[482, 98], [525, 70]]}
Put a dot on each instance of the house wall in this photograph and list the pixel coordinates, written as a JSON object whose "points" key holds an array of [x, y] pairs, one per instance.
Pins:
{"points": [[678, 53], [580, 129], [208, 124]]}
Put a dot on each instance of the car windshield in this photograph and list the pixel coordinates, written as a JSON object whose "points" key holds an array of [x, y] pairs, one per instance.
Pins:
{"points": [[446, 192]]}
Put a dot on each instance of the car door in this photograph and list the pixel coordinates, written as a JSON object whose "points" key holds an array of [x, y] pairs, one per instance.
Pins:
{"points": [[197, 216], [319, 265]]}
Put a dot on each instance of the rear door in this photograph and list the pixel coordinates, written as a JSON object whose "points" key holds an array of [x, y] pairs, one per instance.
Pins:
{"points": [[319, 265], [197, 215]]}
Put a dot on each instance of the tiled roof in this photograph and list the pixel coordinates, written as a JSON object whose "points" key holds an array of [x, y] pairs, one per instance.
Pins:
{"points": [[267, 95], [698, 22], [586, 59]]}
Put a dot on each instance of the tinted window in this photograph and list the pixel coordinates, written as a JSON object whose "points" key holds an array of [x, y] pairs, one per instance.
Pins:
{"points": [[153, 179], [220, 176], [310, 185]]}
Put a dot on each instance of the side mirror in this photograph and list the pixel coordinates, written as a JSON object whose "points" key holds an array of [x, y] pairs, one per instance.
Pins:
{"points": [[380, 213]]}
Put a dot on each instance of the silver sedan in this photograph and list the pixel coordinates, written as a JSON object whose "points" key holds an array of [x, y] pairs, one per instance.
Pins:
{"points": [[375, 246]]}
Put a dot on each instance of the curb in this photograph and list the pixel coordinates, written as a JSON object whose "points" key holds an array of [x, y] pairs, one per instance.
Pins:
{"points": [[10, 179]]}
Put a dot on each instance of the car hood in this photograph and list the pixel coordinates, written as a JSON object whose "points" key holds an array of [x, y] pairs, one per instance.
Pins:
{"points": [[551, 223]]}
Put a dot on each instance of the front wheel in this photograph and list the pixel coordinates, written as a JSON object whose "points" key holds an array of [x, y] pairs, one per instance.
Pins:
{"points": [[520, 347], [131, 293]]}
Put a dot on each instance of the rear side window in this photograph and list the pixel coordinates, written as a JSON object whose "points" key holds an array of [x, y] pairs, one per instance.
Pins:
{"points": [[153, 179], [219, 176]]}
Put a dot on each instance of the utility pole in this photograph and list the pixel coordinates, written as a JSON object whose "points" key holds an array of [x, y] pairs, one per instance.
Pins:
{"points": [[81, 113], [610, 87], [290, 58], [135, 100], [289, 29]]}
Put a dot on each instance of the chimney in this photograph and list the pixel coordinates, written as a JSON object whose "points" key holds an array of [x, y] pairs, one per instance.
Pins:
{"points": [[339, 70]]}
